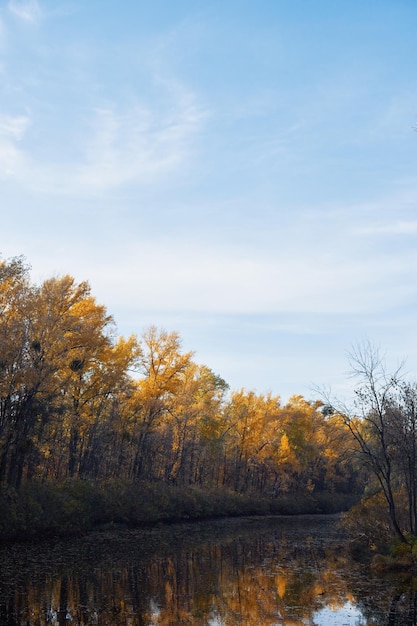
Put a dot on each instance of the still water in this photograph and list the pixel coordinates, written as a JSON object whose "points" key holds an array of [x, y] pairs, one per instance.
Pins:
{"points": [[250, 572]]}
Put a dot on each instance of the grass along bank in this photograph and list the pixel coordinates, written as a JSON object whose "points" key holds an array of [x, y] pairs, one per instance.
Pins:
{"points": [[76, 506]]}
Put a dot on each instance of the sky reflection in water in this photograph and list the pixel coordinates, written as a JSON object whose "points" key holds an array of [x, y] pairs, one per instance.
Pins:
{"points": [[346, 615]]}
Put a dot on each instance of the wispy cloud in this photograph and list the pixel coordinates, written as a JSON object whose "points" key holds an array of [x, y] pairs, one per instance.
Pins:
{"points": [[10, 159], [137, 145], [12, 130], [122, 145], [392, 228], [26, 10], [134, 135], [13, 126], [182, 277]]}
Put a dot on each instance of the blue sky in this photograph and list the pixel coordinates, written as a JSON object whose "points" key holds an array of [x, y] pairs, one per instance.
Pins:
{"points": [[242, 172]]}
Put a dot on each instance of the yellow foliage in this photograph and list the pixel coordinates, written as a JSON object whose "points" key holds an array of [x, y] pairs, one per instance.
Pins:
{"points": [[281, 584]]}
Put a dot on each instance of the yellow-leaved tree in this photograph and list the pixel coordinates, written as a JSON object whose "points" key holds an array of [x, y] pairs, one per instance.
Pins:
{"points": [[253, 420], [162, 366]]}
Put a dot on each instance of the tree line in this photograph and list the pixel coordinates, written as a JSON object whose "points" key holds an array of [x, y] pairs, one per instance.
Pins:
{"points": [[79, 401]]}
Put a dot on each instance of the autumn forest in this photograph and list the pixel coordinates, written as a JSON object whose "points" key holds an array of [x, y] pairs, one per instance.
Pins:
{"points": [[82, 406]]}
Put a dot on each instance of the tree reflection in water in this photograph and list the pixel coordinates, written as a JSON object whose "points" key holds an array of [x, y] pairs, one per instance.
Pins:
{"points": [[227, 573]]}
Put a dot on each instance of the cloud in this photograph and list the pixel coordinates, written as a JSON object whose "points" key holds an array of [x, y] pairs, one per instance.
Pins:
{"points": [[182, 277], [121, 132], [317, 264], [400, 227], [10, 160], [26, 10], [12, 130], [138, 145], [13, 126], [115, 146]]}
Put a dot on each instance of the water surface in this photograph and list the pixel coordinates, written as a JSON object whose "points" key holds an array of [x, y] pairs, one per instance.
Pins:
{"points": [[251, 572]]}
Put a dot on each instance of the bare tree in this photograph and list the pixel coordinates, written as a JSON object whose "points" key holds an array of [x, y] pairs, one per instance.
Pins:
{"points": [[378, 422]]}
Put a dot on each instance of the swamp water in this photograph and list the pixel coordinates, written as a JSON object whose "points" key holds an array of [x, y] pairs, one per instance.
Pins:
{"points": [[249, 572]]}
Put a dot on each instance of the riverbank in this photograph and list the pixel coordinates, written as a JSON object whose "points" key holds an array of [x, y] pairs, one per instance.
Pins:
{"points": [[75, 507]]}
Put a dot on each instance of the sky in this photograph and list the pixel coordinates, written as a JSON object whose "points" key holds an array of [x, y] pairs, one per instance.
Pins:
{"points": [[243, 173]]}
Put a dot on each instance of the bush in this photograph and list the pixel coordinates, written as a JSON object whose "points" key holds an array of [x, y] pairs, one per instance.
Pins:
{"points": [[368, 523], [76, 506], [44, 508]]}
